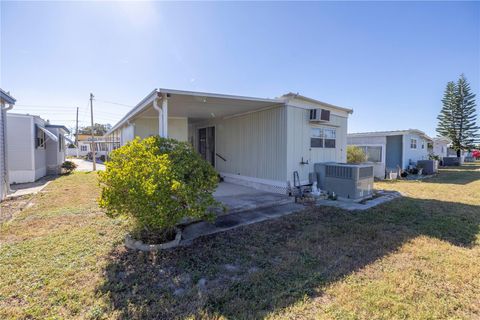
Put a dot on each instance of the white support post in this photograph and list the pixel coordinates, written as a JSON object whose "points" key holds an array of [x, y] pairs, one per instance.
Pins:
{"points": [[165, 115]]}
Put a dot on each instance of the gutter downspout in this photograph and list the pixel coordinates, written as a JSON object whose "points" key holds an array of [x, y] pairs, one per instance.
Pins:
{"points": [[5, 143], [162, 115]]}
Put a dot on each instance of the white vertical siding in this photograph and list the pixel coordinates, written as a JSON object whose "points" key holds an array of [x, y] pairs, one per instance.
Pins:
{"points": [[55, 156], [253, 144], [177, 128], [20, 142], [414, 155], [440, 148], [3, 165], [298, 142]]}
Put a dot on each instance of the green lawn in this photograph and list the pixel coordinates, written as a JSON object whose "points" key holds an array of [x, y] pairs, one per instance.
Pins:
{"points": [[415, 257]]}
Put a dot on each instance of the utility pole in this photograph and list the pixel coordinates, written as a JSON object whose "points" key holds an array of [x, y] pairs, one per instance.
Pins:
{"points": [[94, 158], [76, 134]]}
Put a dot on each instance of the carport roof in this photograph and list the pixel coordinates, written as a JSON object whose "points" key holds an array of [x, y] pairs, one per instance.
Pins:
{"points": [[204, 105], [194, 104]]}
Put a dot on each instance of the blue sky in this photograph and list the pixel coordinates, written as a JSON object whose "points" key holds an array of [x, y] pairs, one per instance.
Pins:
{"points": [[388, 61]]}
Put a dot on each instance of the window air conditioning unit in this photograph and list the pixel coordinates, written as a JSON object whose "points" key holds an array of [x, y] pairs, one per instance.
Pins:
{"points": [[348, 181], [319, 115]]}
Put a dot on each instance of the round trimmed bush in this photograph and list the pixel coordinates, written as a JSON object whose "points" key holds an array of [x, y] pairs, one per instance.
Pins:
{"points": [[158, 182], [68, 166]]}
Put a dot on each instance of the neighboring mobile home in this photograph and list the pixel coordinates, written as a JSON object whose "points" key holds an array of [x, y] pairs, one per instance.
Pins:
{"points": [[390, 150], [440, 146], [84, 146], [6, 103], [35, 147], [251, 141]]}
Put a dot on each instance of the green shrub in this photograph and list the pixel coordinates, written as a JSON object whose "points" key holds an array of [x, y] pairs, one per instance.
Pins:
{"points": [[355, 155], [158, 182], [68, 166]]}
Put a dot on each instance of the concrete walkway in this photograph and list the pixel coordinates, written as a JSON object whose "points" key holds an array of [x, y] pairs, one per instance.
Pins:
{"points": [[86, 166], [274, 210], [235, 220], [381, 197], [23, 189]]}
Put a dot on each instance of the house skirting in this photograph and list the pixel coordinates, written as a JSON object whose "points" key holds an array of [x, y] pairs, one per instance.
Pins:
{"points": [[256, 183], [24, 176], [54, 169]]}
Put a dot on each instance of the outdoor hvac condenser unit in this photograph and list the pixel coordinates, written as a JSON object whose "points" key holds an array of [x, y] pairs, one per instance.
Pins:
{"points": [[428, 166], [348, 181]]}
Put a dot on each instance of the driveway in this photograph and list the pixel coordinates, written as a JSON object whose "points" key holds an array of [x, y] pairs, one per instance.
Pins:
{"points": [[85, 166]]}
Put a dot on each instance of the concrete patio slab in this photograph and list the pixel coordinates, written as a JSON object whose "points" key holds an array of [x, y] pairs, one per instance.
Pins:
{"points": [[235, 220], [237, 198], [382, 197]]}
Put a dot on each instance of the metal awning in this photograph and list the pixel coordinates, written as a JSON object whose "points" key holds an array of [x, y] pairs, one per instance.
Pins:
{"points": [[49, 134], [69, 140]]}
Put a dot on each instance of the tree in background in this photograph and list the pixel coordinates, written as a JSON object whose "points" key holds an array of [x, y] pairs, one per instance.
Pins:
{"points": [[457, 119], [99, 129]]}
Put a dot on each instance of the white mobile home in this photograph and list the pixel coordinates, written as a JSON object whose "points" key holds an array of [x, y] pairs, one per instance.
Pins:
{"points": [[251, 141], [84, 146], [440, 146], [390, 150], [6, 103], [35, 147]]}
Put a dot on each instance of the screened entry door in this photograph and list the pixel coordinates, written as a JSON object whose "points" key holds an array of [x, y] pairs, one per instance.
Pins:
{"points": [[206, 144]]}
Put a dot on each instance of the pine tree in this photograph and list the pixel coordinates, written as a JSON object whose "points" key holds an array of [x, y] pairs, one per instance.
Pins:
{"points": [[457, 119]]}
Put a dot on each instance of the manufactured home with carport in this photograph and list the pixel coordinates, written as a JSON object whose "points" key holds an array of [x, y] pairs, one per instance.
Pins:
{"points": [[6, 103], [389, 151], [257, 142]]}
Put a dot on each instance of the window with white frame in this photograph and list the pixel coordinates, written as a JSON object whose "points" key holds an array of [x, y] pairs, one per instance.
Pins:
{"points": [[372, 153], [83, 148], [323, 137], [413, 143], [40, 138], [330, 136], [316, 138]]}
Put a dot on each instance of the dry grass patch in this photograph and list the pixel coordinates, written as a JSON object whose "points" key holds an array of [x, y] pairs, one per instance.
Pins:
{"points": [[415, 257]]}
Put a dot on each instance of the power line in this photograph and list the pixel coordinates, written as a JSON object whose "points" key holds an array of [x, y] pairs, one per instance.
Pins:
{"points": [[42, 106], [116, 103]]}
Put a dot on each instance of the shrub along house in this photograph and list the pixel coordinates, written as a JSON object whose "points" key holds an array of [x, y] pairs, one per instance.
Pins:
{"points": [[250, 141], [390, 150], [6, 103], [35, 147]]}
